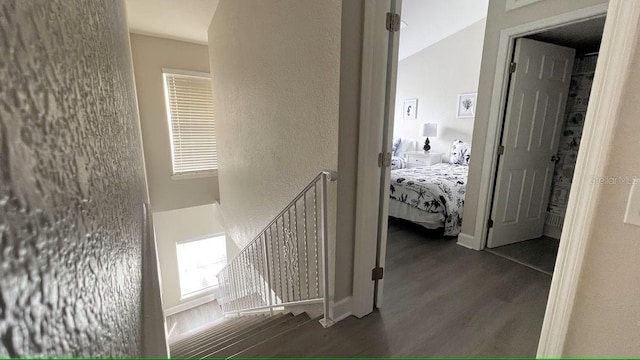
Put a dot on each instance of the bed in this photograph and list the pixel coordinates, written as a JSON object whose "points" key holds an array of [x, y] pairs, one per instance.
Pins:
{"points": [[432, 196]]}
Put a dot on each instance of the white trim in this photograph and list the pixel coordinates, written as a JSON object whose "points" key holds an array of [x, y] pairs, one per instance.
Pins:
{"points": [[498, 102], [514, 4], [183, 72], [186, 305], [341, 309], [467, 241], [616, 55], [372, 97], [168, 37], [195, 175]]}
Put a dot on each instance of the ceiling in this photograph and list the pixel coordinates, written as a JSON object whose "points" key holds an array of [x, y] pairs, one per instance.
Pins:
{"points": [[431, 21], [174, 19], [584, 36]]}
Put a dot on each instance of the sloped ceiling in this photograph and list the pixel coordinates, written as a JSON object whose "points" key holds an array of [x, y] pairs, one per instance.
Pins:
{"points": [[174, 19], [429, 21]]}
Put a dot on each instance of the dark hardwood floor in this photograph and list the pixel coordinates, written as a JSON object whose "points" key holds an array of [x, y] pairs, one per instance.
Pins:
{"points": [[440, 300]]}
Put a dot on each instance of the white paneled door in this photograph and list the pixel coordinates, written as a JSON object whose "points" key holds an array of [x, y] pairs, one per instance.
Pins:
{"points": [[533, 121]]}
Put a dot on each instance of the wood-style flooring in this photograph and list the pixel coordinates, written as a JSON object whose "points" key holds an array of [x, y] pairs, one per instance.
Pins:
{"points": [[440, 300]]}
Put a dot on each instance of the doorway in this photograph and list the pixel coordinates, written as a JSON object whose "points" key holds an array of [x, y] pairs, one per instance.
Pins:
{"points": [[550, 82], [617, 51]]}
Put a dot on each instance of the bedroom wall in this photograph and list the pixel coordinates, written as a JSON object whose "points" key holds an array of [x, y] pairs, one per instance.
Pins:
{"points": [[606, 317], [150, 55], [178, 225], [276, 67], [436, 76], [497, 20], [72, 183]]}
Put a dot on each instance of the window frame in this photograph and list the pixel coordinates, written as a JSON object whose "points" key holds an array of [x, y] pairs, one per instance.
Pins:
{"points": [[191, 174], [208, 289]]}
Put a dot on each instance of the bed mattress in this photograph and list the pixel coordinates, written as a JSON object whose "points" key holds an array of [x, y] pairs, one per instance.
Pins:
{"points": [[437, 189]]}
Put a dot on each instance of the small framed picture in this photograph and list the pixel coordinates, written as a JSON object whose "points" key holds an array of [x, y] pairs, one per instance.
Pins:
{"points": [[467, 105], [410, 109]]}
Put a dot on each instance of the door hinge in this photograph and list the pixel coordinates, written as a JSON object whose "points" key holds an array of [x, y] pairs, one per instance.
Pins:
{"points": [[512, 67], [500, 150], [377, 273], [384, 160], [393, 22], [489, 224]]}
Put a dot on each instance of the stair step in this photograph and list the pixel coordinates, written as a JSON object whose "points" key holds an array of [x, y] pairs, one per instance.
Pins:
{"points": [[188, 338], [286, 339], [260, 336], [212, 331], [216, 324], [228, 339], [214, 335]]}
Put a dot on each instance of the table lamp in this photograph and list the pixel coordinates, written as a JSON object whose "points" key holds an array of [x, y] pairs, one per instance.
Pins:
{"points": [[428, 129]]}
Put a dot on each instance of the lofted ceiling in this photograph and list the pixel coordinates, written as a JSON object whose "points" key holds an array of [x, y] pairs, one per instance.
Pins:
{"points": [[429, 21], [174, 19]]}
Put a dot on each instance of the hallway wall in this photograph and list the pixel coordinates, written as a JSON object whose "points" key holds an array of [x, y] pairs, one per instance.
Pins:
{"points": [[605, 321], [71, 182], [275, 67]]}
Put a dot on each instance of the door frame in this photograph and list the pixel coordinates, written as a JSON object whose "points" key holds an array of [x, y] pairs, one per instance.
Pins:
{"points": [[499, 96], [375, 54], [616, 54]]}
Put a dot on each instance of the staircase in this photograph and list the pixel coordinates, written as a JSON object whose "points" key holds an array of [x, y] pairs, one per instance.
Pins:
{"points": [[284, 268], [242, 336]]}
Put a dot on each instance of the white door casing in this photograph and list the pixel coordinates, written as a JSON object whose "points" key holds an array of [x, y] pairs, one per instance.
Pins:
{"points": [[373, 96], [387, 140], [533, 121]]}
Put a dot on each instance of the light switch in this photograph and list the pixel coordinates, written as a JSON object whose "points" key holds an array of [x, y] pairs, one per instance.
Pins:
{"points": [[632, 215]]}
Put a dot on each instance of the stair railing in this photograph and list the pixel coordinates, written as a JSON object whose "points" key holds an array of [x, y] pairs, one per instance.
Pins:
{"points": [[287, 262]]}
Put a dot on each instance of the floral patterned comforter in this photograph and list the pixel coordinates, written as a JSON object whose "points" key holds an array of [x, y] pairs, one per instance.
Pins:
{"points": [[439, 188]]}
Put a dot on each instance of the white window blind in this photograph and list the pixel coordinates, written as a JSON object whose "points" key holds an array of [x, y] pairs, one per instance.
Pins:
{"points": [[191, 122]]}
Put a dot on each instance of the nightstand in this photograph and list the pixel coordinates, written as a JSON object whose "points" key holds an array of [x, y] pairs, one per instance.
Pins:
{"points": [[421, 158]]}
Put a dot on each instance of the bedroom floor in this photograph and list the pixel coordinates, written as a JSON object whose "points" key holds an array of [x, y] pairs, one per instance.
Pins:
{"points": [[440, 300]]}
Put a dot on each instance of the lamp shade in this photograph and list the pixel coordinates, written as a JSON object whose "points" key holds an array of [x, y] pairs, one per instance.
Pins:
{"points": [[429, 129]]}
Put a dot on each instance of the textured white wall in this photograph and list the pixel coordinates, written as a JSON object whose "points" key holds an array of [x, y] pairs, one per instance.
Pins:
{"points": [[150, 55], [606, 317], [71, 183], [275, 67], [436, 76], [497, 20], [179, 225]]}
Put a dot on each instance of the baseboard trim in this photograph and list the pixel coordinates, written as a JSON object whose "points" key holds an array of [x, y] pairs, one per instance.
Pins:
{"points": [[189, 304], [342, 309], [467, 241]]}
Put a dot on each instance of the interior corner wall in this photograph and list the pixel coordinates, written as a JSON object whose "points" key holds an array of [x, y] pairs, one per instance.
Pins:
{"points": [[350, 82], [71, 182], [605, 321], [497, 20], [275, 67], [436, 76], [150, 55], [174, 226]]}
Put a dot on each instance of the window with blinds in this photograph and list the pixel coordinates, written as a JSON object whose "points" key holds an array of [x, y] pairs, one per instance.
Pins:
{"points": [[191, 123]]}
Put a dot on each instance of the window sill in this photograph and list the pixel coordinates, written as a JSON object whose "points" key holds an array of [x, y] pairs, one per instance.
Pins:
{"points": [[195, 175]]}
